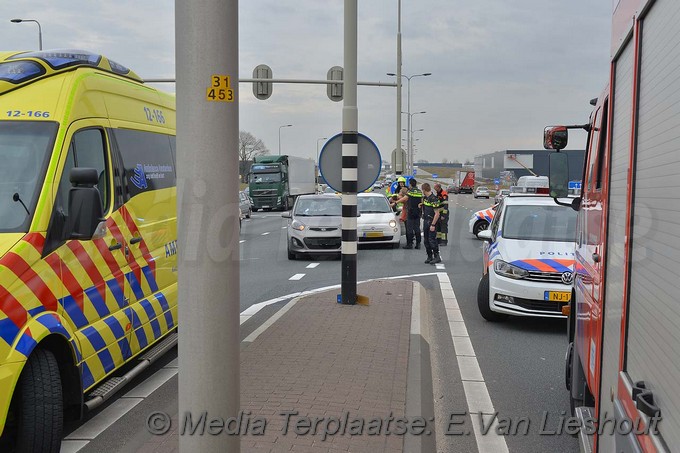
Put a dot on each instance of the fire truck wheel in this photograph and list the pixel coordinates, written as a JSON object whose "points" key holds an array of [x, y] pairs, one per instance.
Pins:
{"points": [[40, 405], [483, 301], [567, 365]]}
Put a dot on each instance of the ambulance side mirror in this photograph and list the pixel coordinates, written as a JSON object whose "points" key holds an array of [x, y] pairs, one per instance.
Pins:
{"points": [[86, 215]]}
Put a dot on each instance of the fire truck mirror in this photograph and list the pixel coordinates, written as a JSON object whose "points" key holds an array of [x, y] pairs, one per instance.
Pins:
{"points": [[559, 175], [555, 137]]}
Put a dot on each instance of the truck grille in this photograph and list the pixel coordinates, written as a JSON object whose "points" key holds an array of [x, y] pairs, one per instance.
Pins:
{"points": [[260, 192], [548, 277], [322, 243], [264, 201]]}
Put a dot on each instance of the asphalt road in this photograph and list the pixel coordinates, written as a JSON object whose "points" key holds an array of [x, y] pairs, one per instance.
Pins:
{"points": [[522, 360]]}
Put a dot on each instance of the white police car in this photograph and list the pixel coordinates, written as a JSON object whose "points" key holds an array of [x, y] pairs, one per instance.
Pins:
{"points": [[528, 259]]}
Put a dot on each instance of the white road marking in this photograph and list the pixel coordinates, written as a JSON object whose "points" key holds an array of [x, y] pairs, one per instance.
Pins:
{"points": [[312, 265], [264, 234], [241, 241], [297, 277], [440, 267], [283, 228], [104, 419], [476, 393]]}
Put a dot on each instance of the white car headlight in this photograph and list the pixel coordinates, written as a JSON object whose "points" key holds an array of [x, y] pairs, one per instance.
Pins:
{"points": [[508, 270], [393, 223], [297, 225]]}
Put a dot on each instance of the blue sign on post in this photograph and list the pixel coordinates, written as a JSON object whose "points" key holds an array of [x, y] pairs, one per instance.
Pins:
{"points": [[435, 175], [574, 184], [414, 172], [496, 181]]}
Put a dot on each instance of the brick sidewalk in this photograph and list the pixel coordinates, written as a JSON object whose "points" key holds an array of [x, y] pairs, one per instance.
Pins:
{"points": [[323, 359]]}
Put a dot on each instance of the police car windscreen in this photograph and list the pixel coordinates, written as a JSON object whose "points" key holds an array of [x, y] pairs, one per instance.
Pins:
{"points": [[24, 148], [540, 223]]}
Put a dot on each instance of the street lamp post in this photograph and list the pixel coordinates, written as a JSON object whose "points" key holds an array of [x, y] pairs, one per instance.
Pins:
{"points": [[280, 127], [317, 148], [408, 103], [18, 21], [409, 133]]}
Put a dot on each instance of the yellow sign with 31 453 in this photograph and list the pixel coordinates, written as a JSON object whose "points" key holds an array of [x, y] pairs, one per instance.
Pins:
{"points": [[220, 89]]}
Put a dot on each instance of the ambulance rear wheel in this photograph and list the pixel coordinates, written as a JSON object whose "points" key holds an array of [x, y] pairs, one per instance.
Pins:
{"points": [[483, 301], [40, 406]]}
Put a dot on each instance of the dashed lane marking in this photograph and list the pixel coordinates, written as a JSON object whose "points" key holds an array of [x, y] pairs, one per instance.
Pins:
{"points": [[266, 233], [312, 265], [297, 277]]}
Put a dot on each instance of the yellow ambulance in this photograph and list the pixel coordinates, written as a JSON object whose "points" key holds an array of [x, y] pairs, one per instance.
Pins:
{"points": [[88, 237]]}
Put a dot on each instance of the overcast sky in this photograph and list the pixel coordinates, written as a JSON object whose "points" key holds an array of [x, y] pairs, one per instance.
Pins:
{"points": [[501, 70]]}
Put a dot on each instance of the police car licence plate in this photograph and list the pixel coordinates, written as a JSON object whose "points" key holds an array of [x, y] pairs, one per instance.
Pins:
{"points": [[557, 296]]}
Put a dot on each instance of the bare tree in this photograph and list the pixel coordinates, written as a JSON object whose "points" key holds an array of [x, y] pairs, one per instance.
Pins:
{"points": [[250, 146], [445, 161]]}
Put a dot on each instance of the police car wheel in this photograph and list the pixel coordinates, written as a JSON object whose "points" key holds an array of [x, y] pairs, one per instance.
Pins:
{"points": [[483, 301], [292, 256], [480, 226], [41, 411]]}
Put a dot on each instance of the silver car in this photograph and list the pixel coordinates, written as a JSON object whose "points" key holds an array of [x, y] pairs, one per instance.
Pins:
{"points": [[245, 205], [482, 192], [315, 226]]}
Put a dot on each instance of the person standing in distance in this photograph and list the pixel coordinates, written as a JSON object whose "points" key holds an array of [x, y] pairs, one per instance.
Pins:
{"points": [[443, 224], [431, 217]]}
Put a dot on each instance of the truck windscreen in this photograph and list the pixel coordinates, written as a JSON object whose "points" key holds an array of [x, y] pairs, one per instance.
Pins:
{"points": [[265, 177], [24, 150]]}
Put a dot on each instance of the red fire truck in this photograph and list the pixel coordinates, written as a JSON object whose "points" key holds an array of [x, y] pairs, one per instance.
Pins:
{"points": [[623, 358]]}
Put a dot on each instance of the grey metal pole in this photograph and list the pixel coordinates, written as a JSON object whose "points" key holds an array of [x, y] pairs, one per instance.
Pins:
{"points": [[207, 168], [350, 137], [398, 163], [410, 157]]}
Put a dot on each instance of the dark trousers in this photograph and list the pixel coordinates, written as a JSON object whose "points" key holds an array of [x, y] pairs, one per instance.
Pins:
{"points": [[443, 228], [431, 245], [412, 230]]}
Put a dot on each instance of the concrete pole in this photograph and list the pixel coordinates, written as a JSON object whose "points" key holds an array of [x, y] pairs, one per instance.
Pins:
{"points": [[350, 137], [399, 162], [208, 184]]}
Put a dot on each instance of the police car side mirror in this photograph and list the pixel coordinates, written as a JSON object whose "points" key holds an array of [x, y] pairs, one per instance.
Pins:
{"points": [[85, 212], [287, 215], [485, 235]]}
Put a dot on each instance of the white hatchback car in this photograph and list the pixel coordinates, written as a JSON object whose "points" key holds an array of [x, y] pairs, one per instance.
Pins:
{"points": [[482, 192], [377, 222], [528, 259]]}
